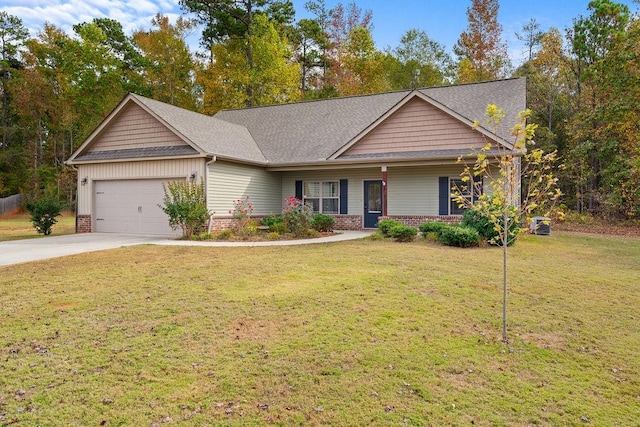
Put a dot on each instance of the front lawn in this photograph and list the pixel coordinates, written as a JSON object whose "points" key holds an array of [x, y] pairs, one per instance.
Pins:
{"points": [[19, 227], [367, 332]]}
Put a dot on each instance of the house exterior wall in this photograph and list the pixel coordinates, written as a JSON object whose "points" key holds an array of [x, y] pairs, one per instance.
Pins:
{"points": [[157, 169], [417, 126], [231, 181], [135, 128], [414, 190], [356, 178]]}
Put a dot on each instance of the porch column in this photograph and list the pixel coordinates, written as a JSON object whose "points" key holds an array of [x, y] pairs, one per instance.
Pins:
{"points": [[384, 191]]}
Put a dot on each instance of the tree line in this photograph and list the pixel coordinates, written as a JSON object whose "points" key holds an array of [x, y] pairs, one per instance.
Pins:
{"points": [[583, 81]]}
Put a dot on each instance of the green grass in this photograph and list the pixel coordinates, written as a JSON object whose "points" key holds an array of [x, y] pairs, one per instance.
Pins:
{"points": [[19, 227], [356, 333]]}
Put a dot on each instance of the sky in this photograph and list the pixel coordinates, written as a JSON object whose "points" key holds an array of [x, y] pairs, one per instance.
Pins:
{"points": [[442, 20]]}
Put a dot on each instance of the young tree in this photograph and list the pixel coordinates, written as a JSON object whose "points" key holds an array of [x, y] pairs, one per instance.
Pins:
{"points": [[480, 49], [185, 203], [521, 182], [531, 36]]}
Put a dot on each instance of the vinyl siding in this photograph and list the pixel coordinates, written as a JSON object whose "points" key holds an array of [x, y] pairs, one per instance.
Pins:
{"points": [[132, 170], [135, 128], [414, 190], [417, 126], [231, 181], [356, 178]]}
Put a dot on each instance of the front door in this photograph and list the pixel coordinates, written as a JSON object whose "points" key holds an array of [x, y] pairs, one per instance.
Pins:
{"points": [[372, 203]]}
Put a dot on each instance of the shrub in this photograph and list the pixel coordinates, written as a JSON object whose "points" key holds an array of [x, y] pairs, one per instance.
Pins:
{"points": [[486, 229], [279, 227], [273, 236], [202, 236], [432, 227], [296, 216], [403, 233], [43, 214], [186, 206], [224, 235], [322, 223], [241, 213], [271, 220], [455, 235], [386, 224]]}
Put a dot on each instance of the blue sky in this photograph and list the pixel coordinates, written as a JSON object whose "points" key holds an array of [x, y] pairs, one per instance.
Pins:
{"points": [[442, 20]]}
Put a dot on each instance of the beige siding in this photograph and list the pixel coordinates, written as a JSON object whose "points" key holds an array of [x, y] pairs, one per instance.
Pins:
{"points": [[182, 169], [417, 126], [356, 177], [231, 181], [135, 128]]}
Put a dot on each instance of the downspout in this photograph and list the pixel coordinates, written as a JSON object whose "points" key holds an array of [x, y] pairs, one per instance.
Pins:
{"points": [[76, 208], [206, 188]]}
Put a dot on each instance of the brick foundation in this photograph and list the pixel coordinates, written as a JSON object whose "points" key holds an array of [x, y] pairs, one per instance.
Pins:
{"points": [[83, 224], [417, 220]]}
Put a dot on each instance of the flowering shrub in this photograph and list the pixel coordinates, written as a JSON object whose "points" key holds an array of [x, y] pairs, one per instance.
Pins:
{"points": [[297, 216], [241, 213]]}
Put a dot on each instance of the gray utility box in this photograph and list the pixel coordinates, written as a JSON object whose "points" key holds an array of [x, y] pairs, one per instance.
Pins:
{"points": [[540, 225]]}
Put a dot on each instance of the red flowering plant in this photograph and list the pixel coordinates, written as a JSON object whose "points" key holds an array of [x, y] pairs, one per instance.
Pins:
{"points": [[297, 216], [241, 214]]}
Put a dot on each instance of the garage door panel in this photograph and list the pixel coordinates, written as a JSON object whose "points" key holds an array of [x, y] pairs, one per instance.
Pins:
{"points": [[131, 206]]}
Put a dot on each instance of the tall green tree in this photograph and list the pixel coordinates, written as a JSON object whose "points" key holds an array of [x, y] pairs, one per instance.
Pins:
{"points": [[13, 35], [418, 61], [225, 20], [481, 52], [362, 65], [273, 77], [169, 66], [596, 41]]}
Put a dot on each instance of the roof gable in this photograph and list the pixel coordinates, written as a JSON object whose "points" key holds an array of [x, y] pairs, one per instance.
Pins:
{"points": [[416, 126]]}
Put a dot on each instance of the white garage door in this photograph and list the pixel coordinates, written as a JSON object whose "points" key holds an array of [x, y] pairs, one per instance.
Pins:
{"points": [[131, 206]]}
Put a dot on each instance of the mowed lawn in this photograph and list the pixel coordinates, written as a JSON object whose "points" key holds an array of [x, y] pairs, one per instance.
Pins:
{"points": [[357, 333], [19, 227]]}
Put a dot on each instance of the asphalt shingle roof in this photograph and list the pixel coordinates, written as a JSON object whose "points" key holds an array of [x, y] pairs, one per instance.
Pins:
{"points": [[315, 130]]}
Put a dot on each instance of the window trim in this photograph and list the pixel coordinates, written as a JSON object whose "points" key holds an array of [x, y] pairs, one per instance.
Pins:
{"points": [[321, 197]]}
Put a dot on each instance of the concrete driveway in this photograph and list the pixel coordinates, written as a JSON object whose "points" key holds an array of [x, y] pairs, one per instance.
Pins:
{"points": [[18, 251]]}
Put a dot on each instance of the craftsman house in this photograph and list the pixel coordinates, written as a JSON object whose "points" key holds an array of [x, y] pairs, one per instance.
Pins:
{"points": [[356, 158]]}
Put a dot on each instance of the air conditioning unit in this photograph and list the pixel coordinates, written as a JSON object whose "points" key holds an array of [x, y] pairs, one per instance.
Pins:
{"points": [[540, 225]]}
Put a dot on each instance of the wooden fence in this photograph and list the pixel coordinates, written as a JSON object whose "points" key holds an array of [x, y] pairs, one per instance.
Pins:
{"points": [[10, 203]]}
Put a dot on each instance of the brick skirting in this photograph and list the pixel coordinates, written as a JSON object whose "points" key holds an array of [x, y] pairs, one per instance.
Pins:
{"points": [[83, 224], [343, 222], [417, 220]]}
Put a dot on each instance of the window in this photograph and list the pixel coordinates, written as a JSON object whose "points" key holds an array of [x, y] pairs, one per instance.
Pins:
{"points": [[323, 196], [463, 189]]}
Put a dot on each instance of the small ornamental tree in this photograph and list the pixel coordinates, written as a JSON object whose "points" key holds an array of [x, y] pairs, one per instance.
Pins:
{"points": [[521, 182], [186, 206]]}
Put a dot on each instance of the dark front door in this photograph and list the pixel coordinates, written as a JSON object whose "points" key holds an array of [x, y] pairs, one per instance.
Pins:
{"points": [[372, 203]]}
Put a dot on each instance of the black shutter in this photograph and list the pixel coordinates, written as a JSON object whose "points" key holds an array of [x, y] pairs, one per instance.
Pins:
{"points": [[299, 190], [477, 188], [444, 193], [343, 196]]}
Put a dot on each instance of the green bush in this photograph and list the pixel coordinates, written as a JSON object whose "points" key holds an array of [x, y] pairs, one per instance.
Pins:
{"points": [[296, 216], [385, 226], [271, 220], [224, 235], [403, 233], [322, 223], [273, 236], [486, 229], [432, 227], [455, 235], [43, 214]]}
